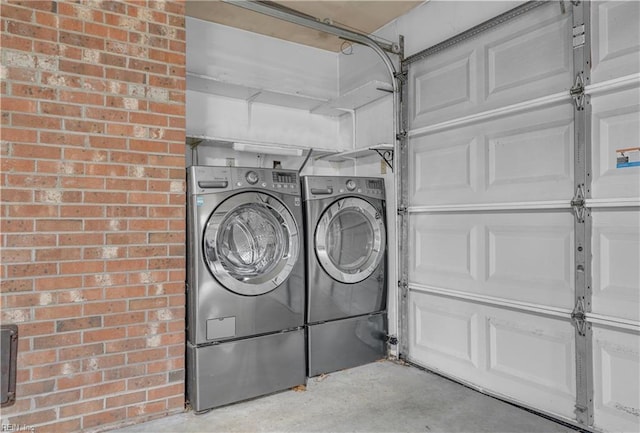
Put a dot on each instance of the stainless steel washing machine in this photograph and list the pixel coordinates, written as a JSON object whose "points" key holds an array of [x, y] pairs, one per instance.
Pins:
{"points": [[346, 256], [245, 284]]}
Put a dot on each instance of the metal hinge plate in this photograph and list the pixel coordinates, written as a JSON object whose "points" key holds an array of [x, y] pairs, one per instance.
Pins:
{"points": [[578, 202], [577, 92], [579, 318]]}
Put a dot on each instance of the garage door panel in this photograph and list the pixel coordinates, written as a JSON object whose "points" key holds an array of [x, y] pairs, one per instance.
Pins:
{"points": [[524, 157], [616, 255], [446, 166], [509, 65], [615, 125], [531, 258], [616, 355], [494, 349], [538, 155], [615, 39], [447, 332], [523, 257], [451, 85], [529, 61], [538, 356]]}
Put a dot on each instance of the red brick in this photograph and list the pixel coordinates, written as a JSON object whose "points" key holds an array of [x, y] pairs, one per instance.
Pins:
{"points": [[62, 426], [81, 408], [105, 334], [77, 352], [59, 340], [10, 286], [78, 324], [30, 270], [58, 398], [79, 380], [16, 42], [58, 283], [38, 357], [18, 105], [166, 391], [16, 13], [32, 418], [124, 372], [124, 319], [31, 31], [105, 308], [58, 312], [103, 418], [126, 399], [57, 109], [59, 225]]}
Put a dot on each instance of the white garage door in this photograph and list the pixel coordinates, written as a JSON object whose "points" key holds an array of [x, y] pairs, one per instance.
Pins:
{"points": [[515, 283]]}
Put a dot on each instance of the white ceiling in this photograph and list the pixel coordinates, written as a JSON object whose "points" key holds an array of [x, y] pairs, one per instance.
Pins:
{"points": [[364, 16]]}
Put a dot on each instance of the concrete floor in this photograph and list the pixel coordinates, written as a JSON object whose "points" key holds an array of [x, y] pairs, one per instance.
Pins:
{"points": [[380, 397]]}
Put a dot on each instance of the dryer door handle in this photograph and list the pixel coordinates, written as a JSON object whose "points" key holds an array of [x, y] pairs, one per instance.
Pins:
{"points": [[322, 191], [213, 184]]}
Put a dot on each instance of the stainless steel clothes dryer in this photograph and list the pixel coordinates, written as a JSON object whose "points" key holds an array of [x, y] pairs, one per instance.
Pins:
{"points": [[346, 256], [245, 284]]}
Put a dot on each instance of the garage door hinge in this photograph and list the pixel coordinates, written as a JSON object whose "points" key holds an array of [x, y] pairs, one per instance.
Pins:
{"points": [[401, 76], [577, 203], [401, 135], [579, 318], [402, 211], [403, 284], [577, 92]]}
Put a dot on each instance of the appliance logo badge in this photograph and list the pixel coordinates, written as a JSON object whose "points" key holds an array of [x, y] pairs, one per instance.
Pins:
{"points": [[296, 201], [199, 201]]}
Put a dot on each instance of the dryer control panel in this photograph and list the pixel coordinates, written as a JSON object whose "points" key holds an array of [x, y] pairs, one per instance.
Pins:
{"points": [[203, 179], [322, 187]]}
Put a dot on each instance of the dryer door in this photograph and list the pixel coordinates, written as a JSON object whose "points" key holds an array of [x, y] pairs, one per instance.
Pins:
{"points": [[251, 243], [350, 240]]}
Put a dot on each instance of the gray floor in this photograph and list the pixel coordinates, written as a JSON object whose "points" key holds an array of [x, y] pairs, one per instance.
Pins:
{"points": [[379, 397]]}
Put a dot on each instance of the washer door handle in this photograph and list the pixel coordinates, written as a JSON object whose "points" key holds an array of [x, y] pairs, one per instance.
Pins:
{"points": [[213, 184], [322, 191]]}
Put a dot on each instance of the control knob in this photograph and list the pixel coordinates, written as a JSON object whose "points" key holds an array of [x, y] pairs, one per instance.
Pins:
{"points": [[252, 177], [351, 185]]}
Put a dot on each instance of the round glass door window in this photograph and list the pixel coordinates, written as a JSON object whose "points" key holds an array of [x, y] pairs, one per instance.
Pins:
{"points": [[350, 240], [251, 243]]}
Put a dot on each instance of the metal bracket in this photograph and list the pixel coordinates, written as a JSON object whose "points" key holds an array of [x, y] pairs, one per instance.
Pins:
{"points": [[401, 135], [402, 211], [387, 156], [577, 92], [401, 76], [579, 318], [577, 203], [579, 37]]}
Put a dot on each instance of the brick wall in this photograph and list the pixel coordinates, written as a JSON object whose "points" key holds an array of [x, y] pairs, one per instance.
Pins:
{"points": [[93, 257]]}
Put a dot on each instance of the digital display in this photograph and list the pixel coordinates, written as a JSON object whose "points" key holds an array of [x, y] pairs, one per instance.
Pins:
{"points": [[374, 184], [283, 177]]}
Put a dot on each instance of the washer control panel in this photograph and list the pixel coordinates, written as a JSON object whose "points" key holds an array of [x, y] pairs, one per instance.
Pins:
{"points": [[319, 187], [204, 179]]}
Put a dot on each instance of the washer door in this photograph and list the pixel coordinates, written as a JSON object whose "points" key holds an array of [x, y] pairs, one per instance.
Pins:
{"points": [[350, 240], [251, 243]]}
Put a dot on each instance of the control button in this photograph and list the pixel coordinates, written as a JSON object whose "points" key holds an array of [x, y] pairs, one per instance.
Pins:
{"points": [[252, 177], [351, 185], [239, 183], [264, 184], [359, 189], [341, 190], [278, 186]]}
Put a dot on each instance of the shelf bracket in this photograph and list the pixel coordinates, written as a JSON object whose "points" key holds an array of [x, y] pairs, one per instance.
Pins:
{"points": [[387, 156]]}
